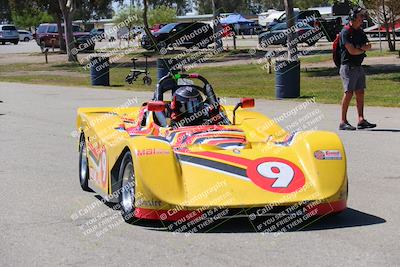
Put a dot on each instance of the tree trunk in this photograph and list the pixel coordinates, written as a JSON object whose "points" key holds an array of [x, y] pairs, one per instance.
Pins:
{"points": [[60, 33], [69, 37], [386, 25], [290, 20], [146, 24], [217, 27], [394, 33]]}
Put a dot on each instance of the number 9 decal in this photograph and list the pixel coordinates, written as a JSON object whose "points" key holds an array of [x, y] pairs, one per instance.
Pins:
{"points": [[276, 175]]}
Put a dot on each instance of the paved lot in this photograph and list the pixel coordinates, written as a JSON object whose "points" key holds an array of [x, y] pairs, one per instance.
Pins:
{"points": [[246, 42], [40, 192]]}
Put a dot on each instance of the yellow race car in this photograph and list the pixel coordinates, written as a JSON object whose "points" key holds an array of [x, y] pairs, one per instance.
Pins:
{"points": [[181, 158]]}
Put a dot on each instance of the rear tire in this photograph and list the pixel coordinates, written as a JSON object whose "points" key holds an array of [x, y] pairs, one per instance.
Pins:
{"points": [[83, 165], [26, 39], [15, 42], [127, 193]]}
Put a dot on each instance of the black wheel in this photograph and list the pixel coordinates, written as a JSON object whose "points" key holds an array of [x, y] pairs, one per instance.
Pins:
{"points": [[127, 193], [15, 42], [26, 39], [83, 165], [3, 43], [147, 80]]}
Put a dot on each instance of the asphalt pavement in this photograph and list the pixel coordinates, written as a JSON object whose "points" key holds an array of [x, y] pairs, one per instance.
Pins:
{"points": [[44, 215]]}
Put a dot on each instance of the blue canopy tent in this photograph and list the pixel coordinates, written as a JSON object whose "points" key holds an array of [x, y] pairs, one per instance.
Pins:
{"points": [[235, 19], [239, 23]]}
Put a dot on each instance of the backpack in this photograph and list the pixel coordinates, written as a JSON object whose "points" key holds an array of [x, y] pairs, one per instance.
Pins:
{"points": [[336, 50]]}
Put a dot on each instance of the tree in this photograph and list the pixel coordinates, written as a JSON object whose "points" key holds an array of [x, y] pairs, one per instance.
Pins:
{"points": [[94, 9], [386, 13], [206, 6], [162, 14], [27, 18], [131, 17], [67, 9], [180, 6], [5, 11]]}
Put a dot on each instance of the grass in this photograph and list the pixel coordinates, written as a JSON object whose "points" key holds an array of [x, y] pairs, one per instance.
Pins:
{"points": [[232, 81], [327, 57]]}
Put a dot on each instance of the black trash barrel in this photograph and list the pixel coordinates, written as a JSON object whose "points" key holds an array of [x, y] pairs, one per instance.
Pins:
{"points": [[287, 79], [100, 70]]}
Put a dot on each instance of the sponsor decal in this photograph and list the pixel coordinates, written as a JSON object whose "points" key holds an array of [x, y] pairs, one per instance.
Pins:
{"points": [[148, 203], [99, 172], [328, 155], [151, 152]]}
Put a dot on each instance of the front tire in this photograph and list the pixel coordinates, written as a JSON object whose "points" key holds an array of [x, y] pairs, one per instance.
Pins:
{"points": [[83, 165], [26, 39], [127, 192]]}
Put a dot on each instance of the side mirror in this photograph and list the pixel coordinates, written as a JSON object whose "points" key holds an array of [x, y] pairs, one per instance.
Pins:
{"points": [[244, 103], [156, 106], [247, 102]]}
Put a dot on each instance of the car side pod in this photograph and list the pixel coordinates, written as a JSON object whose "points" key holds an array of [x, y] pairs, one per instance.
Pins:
{"points": [[244, 103]]}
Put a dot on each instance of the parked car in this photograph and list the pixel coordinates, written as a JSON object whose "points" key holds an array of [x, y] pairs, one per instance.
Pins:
{"points": [[25, 36], [47, 36], [98, 33], [330, 26], [156, 27], [277, 35], [8, 33], [186, 34]]}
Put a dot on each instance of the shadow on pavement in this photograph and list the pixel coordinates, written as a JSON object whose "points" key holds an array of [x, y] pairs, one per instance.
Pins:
{"points": [[346, 219], [385, 130]]}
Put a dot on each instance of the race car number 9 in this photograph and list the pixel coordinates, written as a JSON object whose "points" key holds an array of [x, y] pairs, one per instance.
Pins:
{"points": [[276, 175]]}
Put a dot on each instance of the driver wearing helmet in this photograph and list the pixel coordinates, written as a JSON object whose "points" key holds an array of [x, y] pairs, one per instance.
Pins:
{"points": [[187, 107]]}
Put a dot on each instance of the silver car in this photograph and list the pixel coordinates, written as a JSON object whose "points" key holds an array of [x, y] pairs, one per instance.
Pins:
{"points": [[25, 36], [8, 33]]}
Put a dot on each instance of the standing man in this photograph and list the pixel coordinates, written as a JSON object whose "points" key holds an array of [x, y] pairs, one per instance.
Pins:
{"points": [[353, 44]]}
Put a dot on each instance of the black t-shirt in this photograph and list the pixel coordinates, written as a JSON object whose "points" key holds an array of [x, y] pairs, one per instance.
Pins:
{"points": [[357, 38]]}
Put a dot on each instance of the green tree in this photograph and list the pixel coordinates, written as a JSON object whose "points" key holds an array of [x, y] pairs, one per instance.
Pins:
{"points": [[206, 7], [180, 6], [162, 14], [386, 13], [94, 9], [30, 17]]}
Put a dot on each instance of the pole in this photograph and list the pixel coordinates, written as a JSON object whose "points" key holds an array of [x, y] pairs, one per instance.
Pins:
{"points": [[290, 21]]}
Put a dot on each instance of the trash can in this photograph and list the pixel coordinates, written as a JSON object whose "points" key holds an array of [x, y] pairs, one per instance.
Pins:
{"points": [[287, 79], [100, 70]]}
